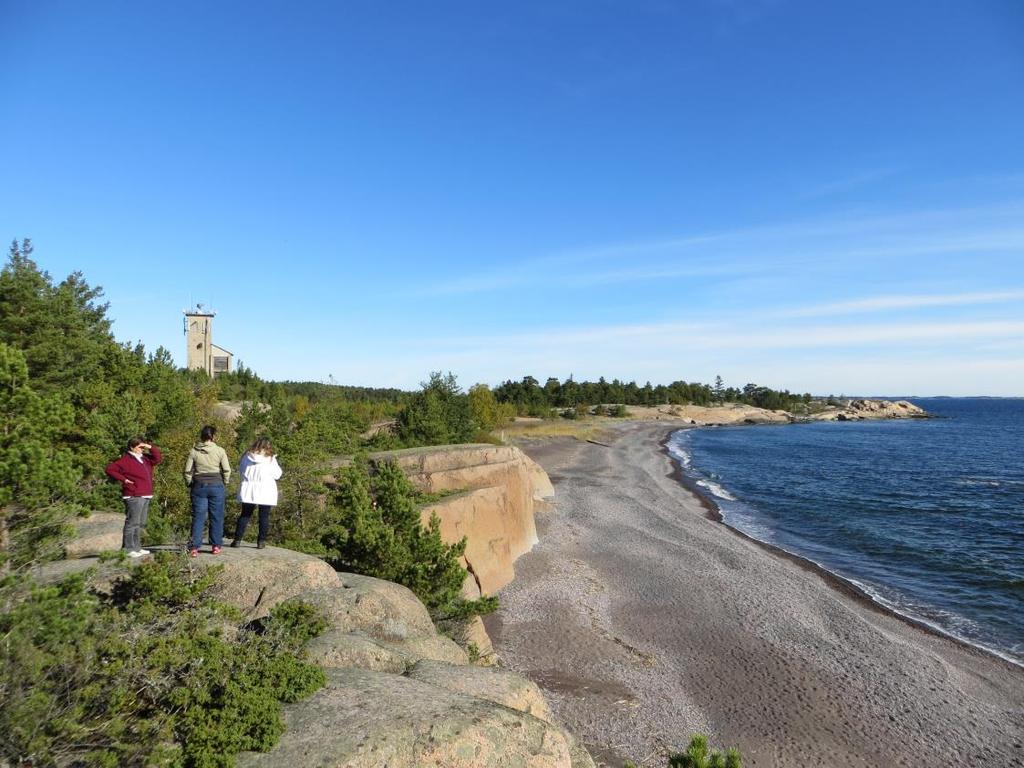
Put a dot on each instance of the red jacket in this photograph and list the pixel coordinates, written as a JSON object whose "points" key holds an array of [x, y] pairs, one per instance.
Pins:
{"points": [[140, 473]]}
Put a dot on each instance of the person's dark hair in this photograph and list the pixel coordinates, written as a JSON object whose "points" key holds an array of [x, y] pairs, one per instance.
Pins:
{"points": [[207, 433], [134, 441]]}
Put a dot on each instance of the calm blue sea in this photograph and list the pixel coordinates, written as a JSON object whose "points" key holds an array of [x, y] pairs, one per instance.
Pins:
{"points": [[926, 516]]}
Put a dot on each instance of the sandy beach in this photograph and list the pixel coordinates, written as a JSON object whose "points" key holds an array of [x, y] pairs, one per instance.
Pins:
{"points": [[645, 621]]}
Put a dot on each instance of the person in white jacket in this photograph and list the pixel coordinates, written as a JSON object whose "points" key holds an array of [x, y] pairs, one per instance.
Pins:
{"points": [[260, 472]]}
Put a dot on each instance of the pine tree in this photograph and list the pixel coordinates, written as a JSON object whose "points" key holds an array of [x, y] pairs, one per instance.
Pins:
{"points": [[36, 474], [378, 532], [437, 415], [719, 389]]}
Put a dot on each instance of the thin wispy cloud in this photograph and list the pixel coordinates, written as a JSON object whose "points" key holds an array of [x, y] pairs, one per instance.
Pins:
{"points": [[550, 266], [897, 302], [702, 336], [664, 272], [826, 243], [476, 284], [846, 183]]}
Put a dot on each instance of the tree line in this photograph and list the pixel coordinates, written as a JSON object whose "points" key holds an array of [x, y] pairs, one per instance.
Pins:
{"points": [[529, 397]]}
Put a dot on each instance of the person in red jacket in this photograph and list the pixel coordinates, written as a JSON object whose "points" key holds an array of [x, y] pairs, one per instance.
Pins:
{"points": [[134, 471]]}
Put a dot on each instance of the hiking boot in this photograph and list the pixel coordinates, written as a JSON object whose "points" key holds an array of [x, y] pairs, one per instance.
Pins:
{"points": [[261, 545], [236, 543]]}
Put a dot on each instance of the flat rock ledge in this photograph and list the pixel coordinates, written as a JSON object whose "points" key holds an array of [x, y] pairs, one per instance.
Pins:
{"points": [[365, 719]]}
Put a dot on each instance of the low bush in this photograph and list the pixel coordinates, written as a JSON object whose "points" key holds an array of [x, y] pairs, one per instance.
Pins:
{"points": [[697, 755], [155, 673]]}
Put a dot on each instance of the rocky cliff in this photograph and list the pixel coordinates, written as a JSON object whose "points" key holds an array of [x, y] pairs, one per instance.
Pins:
{"points": [[398, 693], [498, 490]]}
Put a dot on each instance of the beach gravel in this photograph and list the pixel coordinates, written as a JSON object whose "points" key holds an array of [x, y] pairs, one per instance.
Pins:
{"points": [[644, 621]]}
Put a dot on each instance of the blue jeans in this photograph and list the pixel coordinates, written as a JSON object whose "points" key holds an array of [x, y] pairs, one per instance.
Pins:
{"points": [[243, 521], [208, 499]]}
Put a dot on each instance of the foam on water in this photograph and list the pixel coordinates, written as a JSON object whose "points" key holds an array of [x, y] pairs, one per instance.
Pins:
{"points": [[678, 450], [716, 490]]}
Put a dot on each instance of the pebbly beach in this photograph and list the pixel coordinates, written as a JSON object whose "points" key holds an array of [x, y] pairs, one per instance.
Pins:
{"points": [[645, 619]]}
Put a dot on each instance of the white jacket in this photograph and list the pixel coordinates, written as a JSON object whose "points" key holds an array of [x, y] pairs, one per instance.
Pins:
{"points": [[259, 474]]}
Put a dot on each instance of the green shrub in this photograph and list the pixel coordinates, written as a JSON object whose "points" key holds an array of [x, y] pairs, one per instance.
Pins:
{"points": [[465, 609], [697, 755], [618, 411], [484, 409], [438, 414], [156, 673], [376, 530]]}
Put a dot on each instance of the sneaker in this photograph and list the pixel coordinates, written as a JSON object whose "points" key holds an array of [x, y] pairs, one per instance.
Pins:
{"points": [[261, 545], [145, 552], [193, 553], [216, 550], [236, 543], [137, 553]]}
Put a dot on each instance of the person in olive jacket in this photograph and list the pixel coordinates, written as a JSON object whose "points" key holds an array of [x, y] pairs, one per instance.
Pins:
{"points": [[207, 471], [134, 471]]}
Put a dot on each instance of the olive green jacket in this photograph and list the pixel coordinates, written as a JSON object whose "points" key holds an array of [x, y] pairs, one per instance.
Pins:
{"points": [[207, 459]]}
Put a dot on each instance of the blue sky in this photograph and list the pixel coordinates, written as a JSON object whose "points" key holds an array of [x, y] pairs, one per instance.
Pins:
{"points": [[816, 196]]}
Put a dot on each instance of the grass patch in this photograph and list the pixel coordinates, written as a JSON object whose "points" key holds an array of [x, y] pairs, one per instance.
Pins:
{"points": [[581, 429]]}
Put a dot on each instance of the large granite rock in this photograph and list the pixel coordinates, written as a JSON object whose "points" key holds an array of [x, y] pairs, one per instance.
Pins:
{"points": [[364, 719], [497, 685], [730, 413], [380, 608], [860, 410], [100, 532], [434, 648], [255, 580], [337, 649]]}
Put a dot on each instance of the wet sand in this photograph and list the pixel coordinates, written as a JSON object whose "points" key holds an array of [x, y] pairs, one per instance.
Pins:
{"points": [[645, 621]]}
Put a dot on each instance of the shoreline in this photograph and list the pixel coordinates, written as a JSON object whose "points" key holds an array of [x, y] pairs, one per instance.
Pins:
{"points": [[834, 580], [645, 619]]}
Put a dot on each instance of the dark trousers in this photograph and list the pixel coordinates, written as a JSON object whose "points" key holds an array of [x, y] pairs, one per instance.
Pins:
{"points": [[243, 520], [136, 512], [207, 499]]}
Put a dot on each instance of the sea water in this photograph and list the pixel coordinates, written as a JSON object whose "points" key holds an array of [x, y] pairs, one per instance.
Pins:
{"points": [[926, 516]]}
